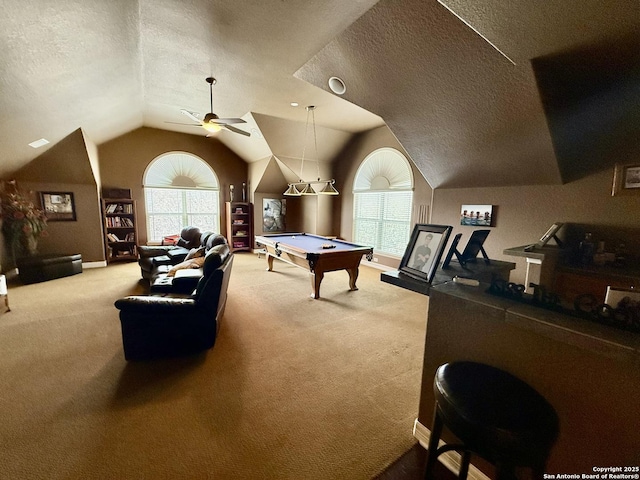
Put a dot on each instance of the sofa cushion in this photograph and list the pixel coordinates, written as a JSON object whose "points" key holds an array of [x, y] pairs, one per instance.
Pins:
{"points": [[215, 257], [192, 263], [195, 253], [215, 239], [189, 238]]}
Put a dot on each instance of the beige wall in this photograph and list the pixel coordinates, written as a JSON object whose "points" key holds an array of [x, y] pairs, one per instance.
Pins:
{"points": [[347, 165], [123, 162], [523, 214], [84, 235], [67, 167]]}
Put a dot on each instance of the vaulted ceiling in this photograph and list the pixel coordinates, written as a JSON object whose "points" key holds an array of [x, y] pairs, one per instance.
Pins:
{"points": [[455, 82]]}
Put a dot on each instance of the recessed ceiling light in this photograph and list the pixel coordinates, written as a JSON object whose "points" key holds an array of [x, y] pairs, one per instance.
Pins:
{"points": [[337, 85], [294, 104], [39, 143]]}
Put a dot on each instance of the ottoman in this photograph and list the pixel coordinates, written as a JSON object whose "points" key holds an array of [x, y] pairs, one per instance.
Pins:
{"points": [[41, 268]]}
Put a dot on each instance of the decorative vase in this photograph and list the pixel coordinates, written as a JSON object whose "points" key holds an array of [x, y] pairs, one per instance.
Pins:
{"points": [[31, 245]]}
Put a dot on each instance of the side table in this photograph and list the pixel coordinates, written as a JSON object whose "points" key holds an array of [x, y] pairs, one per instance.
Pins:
{"points": [[4, 296]]}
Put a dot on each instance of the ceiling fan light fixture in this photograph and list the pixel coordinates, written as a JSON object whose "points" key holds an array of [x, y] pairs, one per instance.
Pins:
{"points": [[211, 127]]}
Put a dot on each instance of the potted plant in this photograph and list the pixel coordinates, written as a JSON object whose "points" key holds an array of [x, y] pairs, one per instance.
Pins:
{"points": [[22, 222]]}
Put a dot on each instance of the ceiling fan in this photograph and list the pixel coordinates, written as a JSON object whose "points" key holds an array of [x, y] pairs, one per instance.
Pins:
{"points": [[211, 122]]}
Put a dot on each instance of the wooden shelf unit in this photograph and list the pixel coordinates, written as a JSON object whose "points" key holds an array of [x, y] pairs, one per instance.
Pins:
{"points": [[120, 229], [240, 226]]}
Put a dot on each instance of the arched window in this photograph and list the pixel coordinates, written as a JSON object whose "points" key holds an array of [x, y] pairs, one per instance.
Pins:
{"points": [[382, 202], [180, 190]]}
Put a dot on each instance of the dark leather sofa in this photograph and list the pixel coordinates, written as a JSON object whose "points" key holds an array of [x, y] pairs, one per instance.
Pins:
{"points": [[150, 257], [174, 324], [167, 268]]}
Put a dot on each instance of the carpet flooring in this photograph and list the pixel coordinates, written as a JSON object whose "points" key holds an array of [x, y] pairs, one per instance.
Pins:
{"points": [[295, 388]]}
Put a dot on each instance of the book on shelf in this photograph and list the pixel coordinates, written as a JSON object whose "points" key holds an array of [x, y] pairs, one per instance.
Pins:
{"points": [[119, 222], [113, 237], [119, 208]]}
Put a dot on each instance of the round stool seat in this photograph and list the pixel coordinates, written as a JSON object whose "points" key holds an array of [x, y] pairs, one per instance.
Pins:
{"points": [[494, 415]]}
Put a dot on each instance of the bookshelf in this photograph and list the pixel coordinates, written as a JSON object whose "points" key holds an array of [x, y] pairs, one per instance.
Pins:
{"points": [[120, 229], [239, 226]]}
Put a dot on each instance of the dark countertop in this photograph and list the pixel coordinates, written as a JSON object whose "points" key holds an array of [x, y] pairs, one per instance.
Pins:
{"points": [[585, 334]]}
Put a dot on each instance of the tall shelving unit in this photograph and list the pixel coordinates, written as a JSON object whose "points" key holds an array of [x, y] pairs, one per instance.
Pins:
{"points": [[120, 229], [240, 226]]}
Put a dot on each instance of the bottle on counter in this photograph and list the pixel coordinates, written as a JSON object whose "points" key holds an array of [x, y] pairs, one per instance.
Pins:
{"points": [[586, 250], [621, 255]]}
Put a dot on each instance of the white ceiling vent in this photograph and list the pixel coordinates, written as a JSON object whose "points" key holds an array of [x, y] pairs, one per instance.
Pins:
{"points": [[337, 86]]}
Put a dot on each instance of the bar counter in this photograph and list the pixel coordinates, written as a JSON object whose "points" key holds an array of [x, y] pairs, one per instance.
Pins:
{"points": [[589, 372]]}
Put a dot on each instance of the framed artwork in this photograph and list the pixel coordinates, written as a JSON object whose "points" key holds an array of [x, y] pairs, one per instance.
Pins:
{"points": [[58, 206], [626, 179], [476, 215], [274, 213], [423, 253]]}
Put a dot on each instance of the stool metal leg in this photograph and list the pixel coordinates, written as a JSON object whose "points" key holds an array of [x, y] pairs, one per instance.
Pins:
{"points": [[464, 466], [432, 450]]}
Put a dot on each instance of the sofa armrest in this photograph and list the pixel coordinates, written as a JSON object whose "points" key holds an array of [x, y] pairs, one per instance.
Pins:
{"points": [[161, 260], [177, 254], [146, 251], [186, 280], [157, 305]]}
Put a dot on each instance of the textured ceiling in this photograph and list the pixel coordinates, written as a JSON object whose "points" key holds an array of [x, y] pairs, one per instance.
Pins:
{"points": [[467, 114], [111, 66]]}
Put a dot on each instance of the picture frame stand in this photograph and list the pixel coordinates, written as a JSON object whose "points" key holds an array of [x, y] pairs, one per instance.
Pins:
{"points": [[473, 247], [551, 234]]}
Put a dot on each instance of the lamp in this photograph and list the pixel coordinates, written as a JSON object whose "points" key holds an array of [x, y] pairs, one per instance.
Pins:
{"points": [[302, 187]]}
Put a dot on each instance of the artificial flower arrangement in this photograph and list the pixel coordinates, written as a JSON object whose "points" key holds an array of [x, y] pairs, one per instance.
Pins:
{"points": [[22, 222]]}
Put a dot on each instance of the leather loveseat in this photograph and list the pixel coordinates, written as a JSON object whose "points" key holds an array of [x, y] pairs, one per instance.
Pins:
{"points": [[150, 257], [177, 269], [172, 324]]}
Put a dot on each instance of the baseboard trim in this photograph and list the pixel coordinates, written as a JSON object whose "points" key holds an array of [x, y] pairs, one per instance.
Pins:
{"points": [[103, 263], [450, 459]]}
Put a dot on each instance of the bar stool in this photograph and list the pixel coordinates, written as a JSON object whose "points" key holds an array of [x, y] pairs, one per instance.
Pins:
{"points": [[495, 416]]}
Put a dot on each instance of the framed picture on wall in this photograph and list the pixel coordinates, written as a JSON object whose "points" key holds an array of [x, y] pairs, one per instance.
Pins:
{"points": [[423, 253], [476, 215], [58, 206], [626, 179], [274, 213]]}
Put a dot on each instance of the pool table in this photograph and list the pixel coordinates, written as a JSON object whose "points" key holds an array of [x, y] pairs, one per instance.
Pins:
{"points": [[316, 254]]}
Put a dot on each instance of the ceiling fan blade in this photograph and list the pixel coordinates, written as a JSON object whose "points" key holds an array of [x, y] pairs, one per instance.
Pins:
{"points": [[191, 116], [227, 121], [237, 130], [188, 124]]}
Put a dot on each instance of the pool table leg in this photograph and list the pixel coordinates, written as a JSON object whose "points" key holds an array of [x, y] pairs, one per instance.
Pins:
{"points": [[316, 279], [353, 276], [269, 262]]}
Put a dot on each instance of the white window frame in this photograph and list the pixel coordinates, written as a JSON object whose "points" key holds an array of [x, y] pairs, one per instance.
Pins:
{"points": [[385, 173], [183, 172]]}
